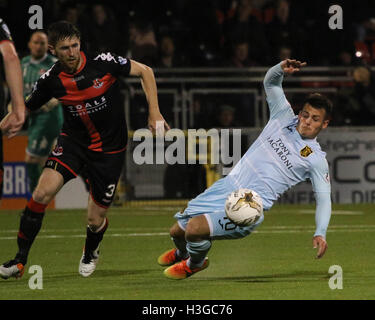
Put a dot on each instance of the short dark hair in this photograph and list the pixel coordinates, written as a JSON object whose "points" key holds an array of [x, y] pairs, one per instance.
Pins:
{"points": [[318, 101], [62, 30]]}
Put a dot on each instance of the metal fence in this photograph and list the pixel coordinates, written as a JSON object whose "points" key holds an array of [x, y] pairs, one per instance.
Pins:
{"points": [[180, 89]]}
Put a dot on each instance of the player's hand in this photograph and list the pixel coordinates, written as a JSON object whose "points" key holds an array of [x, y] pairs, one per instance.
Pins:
{"points": [[290, 65], [320, 243], [157, 124], [12, 123]]}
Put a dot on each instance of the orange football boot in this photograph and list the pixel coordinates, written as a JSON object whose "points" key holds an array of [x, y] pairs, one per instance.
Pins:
{"points": [[169, 258], [181, 270]]}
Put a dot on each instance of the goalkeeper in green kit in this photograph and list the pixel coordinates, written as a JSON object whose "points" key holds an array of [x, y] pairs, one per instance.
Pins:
{"points": [[44, 126]]}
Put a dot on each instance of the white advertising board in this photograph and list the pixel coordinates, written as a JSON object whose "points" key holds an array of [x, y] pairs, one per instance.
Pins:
{"points": [[351, 157]]}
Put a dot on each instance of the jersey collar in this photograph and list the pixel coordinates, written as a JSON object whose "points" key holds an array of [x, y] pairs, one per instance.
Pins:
{"points": [[37, 61]]}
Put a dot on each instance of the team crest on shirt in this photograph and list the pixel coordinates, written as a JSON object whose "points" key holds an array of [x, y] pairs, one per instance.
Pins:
{"points": [[57, 151], [306, 151], [98, 83]]}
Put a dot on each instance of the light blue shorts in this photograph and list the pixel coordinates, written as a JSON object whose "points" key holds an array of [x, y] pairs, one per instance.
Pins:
{"points": [[211, 203]]}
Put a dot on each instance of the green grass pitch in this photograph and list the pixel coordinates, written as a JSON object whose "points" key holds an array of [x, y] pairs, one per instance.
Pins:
{"points": [[275, 262]]}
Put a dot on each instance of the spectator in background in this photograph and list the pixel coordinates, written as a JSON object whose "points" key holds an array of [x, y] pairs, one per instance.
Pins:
{"points": [[167, 57], [358, 103], [282, 32], [103, 33], [364, 94], [346, 58], [142, 43], [240, 56], [202, 113], [246, 25], [204, 32], [70, 13], [225, 117], [284, 53], [225, 10], [366, 29], [365, 43]]}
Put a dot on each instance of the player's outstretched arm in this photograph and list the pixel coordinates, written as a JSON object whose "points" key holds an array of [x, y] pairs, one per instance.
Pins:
{"points": [[277, 102], [149, 87], [13, 122], [322, 217]]}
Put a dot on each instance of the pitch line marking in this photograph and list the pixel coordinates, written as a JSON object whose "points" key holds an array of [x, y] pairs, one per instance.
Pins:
{"points": [[264, 228], [334, 212], [152, 234], [148, 234]]}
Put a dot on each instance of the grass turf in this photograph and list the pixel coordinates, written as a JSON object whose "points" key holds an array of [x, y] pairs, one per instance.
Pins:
{"points": [[275, 262]]}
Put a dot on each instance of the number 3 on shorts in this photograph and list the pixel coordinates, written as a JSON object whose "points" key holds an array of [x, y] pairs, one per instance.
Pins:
{"points": [[111, 189]]}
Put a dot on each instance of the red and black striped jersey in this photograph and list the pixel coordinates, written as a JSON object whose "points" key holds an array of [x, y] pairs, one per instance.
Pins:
{"points": [[94, 114]]}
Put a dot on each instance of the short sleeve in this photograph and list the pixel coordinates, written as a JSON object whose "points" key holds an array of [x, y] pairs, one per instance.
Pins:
{"points": [[117, 65], [39, 96]]}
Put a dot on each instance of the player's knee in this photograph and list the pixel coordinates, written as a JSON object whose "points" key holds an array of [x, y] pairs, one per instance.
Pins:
{"points": [[94, 225], [176, 232], [42, 195], [197, 229], [95, 221], [192, 234]]}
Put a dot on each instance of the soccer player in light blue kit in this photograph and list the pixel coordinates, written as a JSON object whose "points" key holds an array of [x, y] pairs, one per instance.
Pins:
{"points": [[285, 153]]}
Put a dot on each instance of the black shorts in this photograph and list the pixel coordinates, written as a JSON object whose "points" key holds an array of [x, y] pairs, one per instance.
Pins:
{"points": [[100, 170]]}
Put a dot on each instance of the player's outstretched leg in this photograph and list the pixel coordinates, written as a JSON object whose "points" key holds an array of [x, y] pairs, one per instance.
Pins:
{"points": [[31, 222], [12, 268], [198, 244], [178, 253]]}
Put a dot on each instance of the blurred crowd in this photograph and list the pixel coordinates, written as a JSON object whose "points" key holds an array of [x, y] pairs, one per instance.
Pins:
{"points": [[226, 33], [236, 33]]}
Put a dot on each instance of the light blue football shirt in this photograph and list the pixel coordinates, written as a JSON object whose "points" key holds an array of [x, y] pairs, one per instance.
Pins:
{"points": [[280, 158]]}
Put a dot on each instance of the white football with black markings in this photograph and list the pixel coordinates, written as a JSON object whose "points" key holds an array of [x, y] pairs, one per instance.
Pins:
{"points": [[244, 207]]}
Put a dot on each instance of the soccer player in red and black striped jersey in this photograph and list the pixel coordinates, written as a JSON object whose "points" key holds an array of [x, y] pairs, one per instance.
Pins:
{"points": [[93, 138]]}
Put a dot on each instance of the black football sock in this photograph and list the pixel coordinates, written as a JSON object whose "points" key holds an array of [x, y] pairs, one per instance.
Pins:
{"points": [[93, 238], [30, 224], [180, 244]]}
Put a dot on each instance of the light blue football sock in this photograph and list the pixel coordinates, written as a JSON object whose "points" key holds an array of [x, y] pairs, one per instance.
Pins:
{"points": [[197, 251]]}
